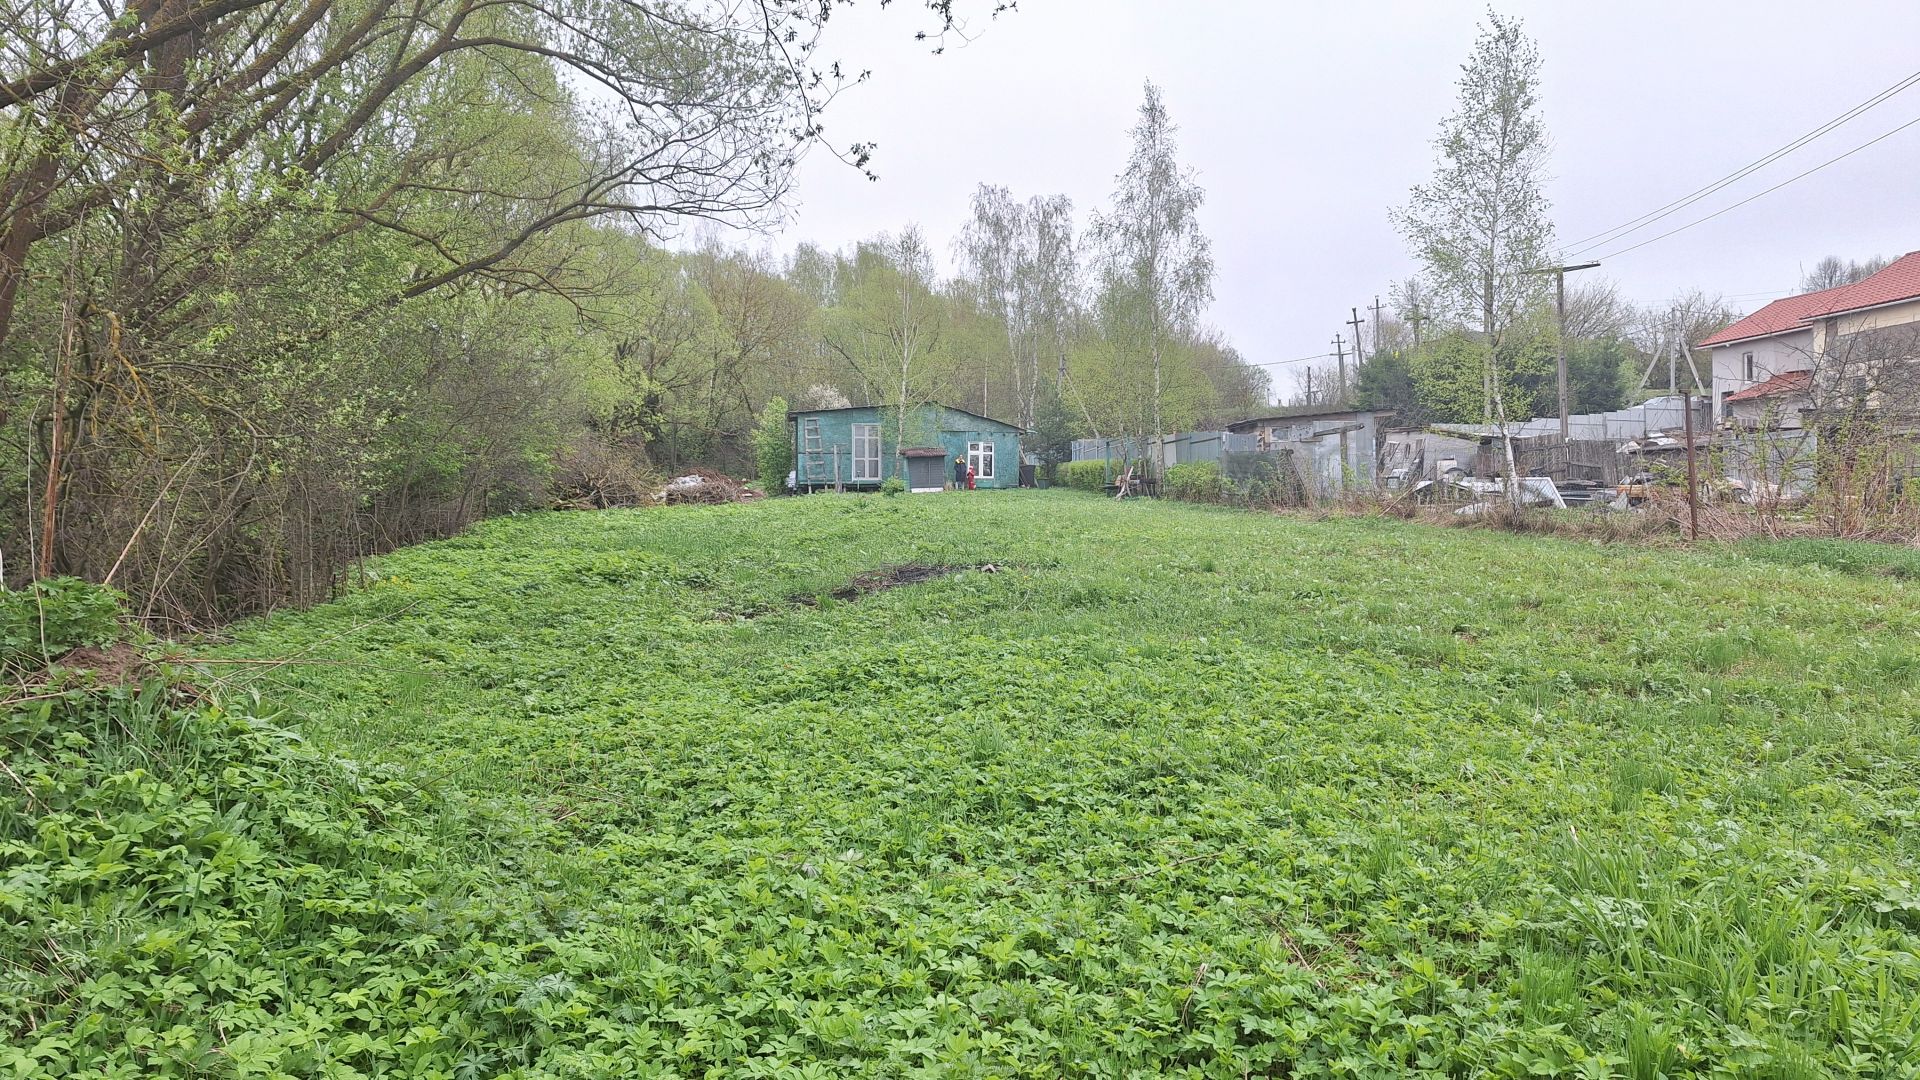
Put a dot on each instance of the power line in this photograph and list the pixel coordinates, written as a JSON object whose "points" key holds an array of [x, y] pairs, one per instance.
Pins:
{"points": [[1619, 232], [1768, 191], [1281, 363]]}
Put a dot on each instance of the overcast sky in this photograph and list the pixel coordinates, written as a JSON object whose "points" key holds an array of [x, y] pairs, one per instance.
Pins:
{"points": [[1307, 122]]}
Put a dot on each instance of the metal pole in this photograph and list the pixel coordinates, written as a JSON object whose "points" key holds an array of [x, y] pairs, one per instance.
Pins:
{"points": [[1560, 307], [1693, 504], [1340, 351], [1560, 345]]}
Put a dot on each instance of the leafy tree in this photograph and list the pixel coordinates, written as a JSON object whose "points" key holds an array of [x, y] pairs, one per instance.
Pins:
{"points": [[1050, 438], [1156, 267], [1481, 223], [890, 326], [1386, 381], [773, 446], [1019, 259], [1597, 373]]}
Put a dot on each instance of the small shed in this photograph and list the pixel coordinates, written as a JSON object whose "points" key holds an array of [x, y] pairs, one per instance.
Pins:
{"points": [[1331, 448], [860, 448]]}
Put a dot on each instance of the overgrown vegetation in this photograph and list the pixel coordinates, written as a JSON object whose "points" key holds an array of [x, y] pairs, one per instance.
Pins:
{"points": [[1357, 797], [1197, 481]]}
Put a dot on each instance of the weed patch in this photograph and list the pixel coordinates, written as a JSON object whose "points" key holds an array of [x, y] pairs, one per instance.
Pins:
{"points": [[1176, 792]]}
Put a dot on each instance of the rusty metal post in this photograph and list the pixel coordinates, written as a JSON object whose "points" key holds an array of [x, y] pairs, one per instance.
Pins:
{"points": [[1693, 479]]}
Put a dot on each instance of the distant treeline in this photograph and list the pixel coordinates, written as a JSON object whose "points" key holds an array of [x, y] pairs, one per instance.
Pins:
{"points": [[285, 285]]}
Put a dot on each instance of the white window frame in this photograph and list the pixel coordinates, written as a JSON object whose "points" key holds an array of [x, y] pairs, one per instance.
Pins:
{"points": [[980, 459], [1750, 367], [869, 434]]}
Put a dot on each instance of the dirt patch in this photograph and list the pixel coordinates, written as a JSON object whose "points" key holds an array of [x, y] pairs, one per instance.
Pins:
{"points": [[116, 665], [892, 577]]}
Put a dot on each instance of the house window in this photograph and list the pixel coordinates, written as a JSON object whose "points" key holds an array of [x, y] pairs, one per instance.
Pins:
{"points": [[980, 460], [1751, 370], [866, 452]]}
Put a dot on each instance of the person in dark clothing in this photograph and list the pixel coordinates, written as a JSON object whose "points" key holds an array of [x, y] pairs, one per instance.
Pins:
{"points": [[959, 474]]}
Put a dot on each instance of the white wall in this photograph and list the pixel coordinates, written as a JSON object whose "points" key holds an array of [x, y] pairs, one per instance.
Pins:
{"points": [[1772, 356]]}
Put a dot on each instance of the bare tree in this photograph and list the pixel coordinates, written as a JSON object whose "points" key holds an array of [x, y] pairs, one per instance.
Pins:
{"points": [[1596, 310], [1834, 271], [1667, 335]]}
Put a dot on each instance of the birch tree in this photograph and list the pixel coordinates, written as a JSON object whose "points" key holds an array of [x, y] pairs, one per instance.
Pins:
{"points": [[891, 326], [1481, 222], [1155, 262], [1019, 258]]}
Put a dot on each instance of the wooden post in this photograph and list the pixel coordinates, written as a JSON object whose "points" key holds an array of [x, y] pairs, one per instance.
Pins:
{"points": [[838, 487], [1693, 504]]}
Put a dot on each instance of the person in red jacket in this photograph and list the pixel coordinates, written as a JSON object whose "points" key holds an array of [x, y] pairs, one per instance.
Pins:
{"points": [[970, 477]]}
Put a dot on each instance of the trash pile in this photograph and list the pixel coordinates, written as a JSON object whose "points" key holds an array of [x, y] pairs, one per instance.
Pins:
{"points": [[702, 486]]}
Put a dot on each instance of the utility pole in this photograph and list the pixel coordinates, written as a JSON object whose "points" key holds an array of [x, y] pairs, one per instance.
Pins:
{"points": [[1309, 386], [1359, 354], [1060, 383], [1340, 351], [1376, 324], [1416, 317], [1560, 340]]}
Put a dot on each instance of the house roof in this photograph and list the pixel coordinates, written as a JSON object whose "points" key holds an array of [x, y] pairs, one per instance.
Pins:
{"points": [[794, 413], [1898, 281], [1790, 382], [1308, 412], [1779, 317]]}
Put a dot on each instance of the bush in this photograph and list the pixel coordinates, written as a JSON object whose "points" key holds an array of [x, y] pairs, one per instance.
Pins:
{"points": [[773, 447], [1265, 481], [165, 842], [1196, 481], [892, 485], [1083, 475], [50, 618]]}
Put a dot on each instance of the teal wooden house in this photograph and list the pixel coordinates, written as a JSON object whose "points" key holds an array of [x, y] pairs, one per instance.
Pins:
{"points": [[860, 448]]}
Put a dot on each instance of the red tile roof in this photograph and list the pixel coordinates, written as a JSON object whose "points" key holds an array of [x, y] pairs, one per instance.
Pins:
{"points": [[1900, 280], [1778, 317], [1789, 382]]}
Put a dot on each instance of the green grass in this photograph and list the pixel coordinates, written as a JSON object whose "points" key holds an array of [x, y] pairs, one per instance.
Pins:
{"points": [[1175, 790], [1845, 556]]}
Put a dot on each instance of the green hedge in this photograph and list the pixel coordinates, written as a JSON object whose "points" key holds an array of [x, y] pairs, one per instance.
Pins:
{"points": [[1196, 481], [1084, 475]]}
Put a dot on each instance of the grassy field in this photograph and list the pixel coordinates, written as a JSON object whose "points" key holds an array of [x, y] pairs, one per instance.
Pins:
{"points": [[1171, 790]]}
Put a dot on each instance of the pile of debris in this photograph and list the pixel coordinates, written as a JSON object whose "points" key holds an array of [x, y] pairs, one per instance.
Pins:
{"points": [[702, 486]]}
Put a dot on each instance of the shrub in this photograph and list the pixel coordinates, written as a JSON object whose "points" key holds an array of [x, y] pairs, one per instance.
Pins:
{"points": [[50, 618], [892, 485], [1084, 475], [773, 447], [1266, 482], [1196, 481]]}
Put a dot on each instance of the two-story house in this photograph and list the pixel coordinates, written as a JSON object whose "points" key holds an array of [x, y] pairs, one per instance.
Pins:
{"points": [[1764, 365]]}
